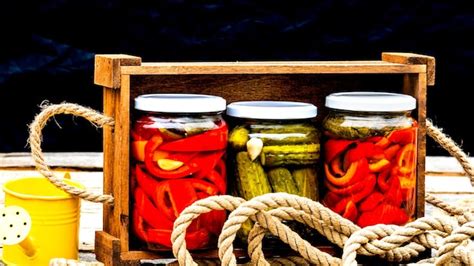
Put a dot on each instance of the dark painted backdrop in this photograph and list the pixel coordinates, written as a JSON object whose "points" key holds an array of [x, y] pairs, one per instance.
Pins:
{"points": [[48, 48]]}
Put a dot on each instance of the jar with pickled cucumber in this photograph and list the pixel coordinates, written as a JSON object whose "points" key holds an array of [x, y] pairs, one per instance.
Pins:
{"points": [[369, 155], [273, 147], [177, 156]]}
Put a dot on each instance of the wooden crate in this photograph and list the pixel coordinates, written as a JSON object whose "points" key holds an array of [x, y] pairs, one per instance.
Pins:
{"points": [[124, 77]]}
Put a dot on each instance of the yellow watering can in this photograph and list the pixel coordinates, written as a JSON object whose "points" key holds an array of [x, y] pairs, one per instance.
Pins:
{"points": [[40, 222]]}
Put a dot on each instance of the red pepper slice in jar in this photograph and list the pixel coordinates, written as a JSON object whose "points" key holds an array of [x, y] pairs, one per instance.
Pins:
{"points": [[383, 214], [350, 212], [206, 162], [194, 240], [215, 139], [334, 147], [147, 183], [361, 150], [379, 166], [354, 173], [151, 215], [215, 178], [391, 151], [403, 136], [144, 129], [406, 159], [154, 169], [372, 201]]}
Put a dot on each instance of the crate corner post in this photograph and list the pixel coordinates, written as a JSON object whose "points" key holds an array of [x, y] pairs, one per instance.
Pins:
{"points": [[113, 240]]}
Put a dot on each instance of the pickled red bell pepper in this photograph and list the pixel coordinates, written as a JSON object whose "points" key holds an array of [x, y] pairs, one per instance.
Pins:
{"points": [[149, 212], [383, 213], [356, 171], [154, 169], [194, 239], [351, 211], [334, 147], [403, 136], [215, 139]]}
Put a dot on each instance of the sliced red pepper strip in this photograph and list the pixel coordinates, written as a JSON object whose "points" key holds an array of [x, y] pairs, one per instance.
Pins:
{"points": [[152, 166], [394, 194], [382, 180], [356, 171], [220, 182], [181, 194], [391, 151], [202, 186], [138, 225], [222, 169], [137, 149], [206, 161], [336, 166], [151, 215], [368, 188], [379, 165], [194, 240], [383, 143], [351, 189], [343, 180], [372, 201], [350, 212], [331, 199], [383, 214], [403, 136], [334, 147], [406, 159], [146, 182], [213, 221], [212, 140], [144, 128], [362, 150]]}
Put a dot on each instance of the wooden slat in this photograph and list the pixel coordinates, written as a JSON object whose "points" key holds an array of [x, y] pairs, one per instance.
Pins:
{"points": [[107, 68], [80, 160], [121, 163], [110, 101], [290, 67], [414, 59]]}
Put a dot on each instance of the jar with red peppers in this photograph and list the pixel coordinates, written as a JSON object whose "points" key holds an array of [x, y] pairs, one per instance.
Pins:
{"points": [[370, 153], [178, 144]]}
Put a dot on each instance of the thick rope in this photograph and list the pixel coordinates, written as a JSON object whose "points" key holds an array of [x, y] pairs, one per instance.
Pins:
{"points": [[448, 144], [35, 139], [394, 243], [192, 212]]}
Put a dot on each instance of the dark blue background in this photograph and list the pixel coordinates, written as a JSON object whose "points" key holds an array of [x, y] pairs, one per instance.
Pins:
{"points": [[48, 49]]}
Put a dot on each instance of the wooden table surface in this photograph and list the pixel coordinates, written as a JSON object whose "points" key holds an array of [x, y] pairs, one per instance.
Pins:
{"points": [[444, 177]]}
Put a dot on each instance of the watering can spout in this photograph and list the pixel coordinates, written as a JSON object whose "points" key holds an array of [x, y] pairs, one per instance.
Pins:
{"points": [[28, 247], [15, 226]]}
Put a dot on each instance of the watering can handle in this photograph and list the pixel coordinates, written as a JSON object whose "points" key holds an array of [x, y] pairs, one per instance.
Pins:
{"points": [[35, 138]]}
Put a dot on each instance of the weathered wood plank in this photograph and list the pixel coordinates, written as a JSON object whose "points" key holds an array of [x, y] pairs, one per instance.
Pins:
{"points": [[414, 59], [293, 67], [107, 68], [81, 160]]}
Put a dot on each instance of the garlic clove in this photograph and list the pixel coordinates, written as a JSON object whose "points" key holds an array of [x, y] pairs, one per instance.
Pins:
{"points": [[254, 148]]}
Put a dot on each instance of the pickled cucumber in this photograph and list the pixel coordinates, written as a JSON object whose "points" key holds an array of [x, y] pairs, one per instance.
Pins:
{"points": [[304, 154], [238, 138], [251, 177], [281, 180], [307, 182]]}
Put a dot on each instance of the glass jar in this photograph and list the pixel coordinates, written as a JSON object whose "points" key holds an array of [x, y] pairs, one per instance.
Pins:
{"points": [[370, 145], [178, 144], [273, 147]]}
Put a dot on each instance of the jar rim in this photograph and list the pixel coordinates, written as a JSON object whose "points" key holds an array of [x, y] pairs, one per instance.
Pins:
{"points": [[366, 101], [180, 103], [271, 110]]}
